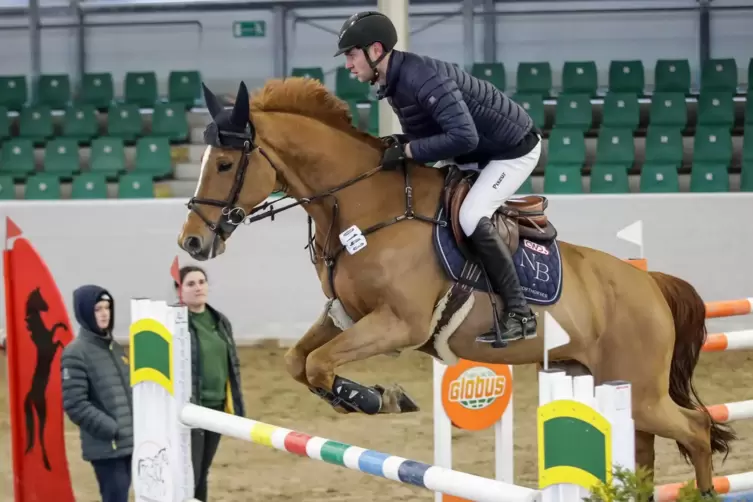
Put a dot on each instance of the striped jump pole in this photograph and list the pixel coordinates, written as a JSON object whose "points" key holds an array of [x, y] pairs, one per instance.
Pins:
{"points": [[431, 477], [724, 485], [731, 412], [160, 348], [733, 340]]}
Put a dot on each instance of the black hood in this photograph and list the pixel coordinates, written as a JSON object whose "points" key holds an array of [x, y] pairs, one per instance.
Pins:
{"points": [[84, 300]]}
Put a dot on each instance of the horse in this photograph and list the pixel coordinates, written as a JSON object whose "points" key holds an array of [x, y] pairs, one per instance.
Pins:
{"points": [[398, 277]]}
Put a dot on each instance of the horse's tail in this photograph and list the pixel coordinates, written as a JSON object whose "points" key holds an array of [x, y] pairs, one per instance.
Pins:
{"points": [[689, 313]]}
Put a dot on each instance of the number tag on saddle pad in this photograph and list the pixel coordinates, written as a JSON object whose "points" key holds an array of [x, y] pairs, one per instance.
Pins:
{"points": [[353, 240]]}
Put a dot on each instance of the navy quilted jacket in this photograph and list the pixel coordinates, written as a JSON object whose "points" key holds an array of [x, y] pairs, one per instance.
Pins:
{"points": [[446, 113]]}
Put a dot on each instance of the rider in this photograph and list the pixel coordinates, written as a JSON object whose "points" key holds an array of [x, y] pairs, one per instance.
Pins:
{"points": [[447, 114]]}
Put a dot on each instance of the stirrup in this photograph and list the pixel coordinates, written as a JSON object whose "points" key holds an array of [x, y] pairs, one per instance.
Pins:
{"points": [[501, 336]]}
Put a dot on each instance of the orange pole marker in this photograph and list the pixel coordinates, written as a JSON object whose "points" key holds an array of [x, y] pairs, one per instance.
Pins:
{"points": [[727, 308]]}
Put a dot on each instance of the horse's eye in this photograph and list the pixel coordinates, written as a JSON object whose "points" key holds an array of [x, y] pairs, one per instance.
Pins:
{"points": [[225, 166]]}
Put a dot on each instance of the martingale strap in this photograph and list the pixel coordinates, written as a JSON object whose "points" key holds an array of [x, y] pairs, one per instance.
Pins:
{"points": [[330, 258]]}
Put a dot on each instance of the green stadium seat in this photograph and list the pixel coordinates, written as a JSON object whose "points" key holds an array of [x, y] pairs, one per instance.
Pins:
{"points": [[534, 78], [107, 157], [491, 72], [566, 147], [526, 188], [716, 108], [610, 178], [709, 177], [141, 88], [315, 72], [621, 109], [124, 121], [4, 124], [672, 75], [153, 157], [664, 146], [7, 188], [347, 86], [615, 146], [17, 158], [14, 92], [573, 111], [719, 74], [54, 91], [170, 120], [627, 76], [746, 176], [35, 123], [184, 87], [80, 123], [534, 105], [659, 178], [579, 77], [749, 107], [89, 186], [135, 186], [42, 186], [668, 109], [712, 144], [61, 157], [748, 143], [563, 179], [97, 90]]}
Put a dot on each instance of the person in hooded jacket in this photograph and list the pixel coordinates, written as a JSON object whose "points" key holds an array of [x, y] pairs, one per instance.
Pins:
{"points": [[97, 392]]}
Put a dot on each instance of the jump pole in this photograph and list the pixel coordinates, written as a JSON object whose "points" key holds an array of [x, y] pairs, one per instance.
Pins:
{"points": [[163, 417]]}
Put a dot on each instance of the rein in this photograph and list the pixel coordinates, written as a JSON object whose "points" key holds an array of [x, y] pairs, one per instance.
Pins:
{"points": [[235, 215]]}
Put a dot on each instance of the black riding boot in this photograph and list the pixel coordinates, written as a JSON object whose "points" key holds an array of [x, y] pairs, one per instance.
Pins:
{"points": [[519, 321]]}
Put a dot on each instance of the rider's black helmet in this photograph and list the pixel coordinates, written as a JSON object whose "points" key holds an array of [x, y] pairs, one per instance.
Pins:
{"points": [[365, 28]]}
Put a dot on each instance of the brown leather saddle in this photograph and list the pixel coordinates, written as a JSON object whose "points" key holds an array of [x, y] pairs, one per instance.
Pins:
{"points": [[519, 217]]}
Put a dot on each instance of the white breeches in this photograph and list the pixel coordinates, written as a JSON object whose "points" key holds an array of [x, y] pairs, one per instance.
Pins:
{"points": [[496, 183]]}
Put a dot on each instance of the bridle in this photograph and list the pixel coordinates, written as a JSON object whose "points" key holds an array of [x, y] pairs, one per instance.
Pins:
{"points": [[232, 215]]}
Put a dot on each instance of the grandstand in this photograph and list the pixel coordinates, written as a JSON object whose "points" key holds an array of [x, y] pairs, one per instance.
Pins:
{"points": [[677, 134]]}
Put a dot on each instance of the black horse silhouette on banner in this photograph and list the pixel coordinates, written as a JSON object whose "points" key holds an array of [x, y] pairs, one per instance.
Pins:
{"points": [[43, 338]]}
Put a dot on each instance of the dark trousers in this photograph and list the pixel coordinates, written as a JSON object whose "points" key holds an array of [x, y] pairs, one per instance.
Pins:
{"points": [[203, 447], [114, 478]]}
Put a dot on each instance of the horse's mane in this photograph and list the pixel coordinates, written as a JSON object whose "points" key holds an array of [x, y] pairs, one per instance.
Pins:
{"points": [[310, 98]]}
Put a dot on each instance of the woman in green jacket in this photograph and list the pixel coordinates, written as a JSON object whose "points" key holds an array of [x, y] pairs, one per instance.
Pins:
{"points": [[215, 369]]}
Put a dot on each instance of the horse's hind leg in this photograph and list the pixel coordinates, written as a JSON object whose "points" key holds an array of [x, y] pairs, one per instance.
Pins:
{"points": [[690, 428], [644, 452], [379, 332]]}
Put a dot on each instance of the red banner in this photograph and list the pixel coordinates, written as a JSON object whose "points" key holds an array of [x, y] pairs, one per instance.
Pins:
{"points": [[37, 328]]}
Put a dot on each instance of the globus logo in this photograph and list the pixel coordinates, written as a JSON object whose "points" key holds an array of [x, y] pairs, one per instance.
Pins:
{"points": [[475, 395], [477, 388]]}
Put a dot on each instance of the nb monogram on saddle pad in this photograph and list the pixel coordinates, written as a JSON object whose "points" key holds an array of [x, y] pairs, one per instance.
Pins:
{"points": [[538, 264]]}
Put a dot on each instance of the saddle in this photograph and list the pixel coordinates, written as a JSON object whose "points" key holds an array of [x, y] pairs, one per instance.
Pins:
{"points": [[523, 217]]}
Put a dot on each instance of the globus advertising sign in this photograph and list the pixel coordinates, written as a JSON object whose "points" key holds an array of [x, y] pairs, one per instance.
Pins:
{"points": [[476, 395]]}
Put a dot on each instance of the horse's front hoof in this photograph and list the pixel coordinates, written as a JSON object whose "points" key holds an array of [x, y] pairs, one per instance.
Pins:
{"points": [[396, 400]]}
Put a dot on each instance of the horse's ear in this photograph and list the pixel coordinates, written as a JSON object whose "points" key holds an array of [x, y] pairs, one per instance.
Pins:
{"points": [[213, 104], [241, 114]]}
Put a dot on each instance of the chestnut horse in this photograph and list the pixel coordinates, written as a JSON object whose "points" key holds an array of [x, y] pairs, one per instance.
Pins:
{"points": [[389, 291]]}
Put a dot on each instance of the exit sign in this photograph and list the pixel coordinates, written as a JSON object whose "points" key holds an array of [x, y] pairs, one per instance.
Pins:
{"points": [[242, 29]]}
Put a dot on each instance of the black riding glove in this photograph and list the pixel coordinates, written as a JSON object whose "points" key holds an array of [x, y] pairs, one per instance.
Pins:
{"points": [[393, 158], [392, 138]]}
